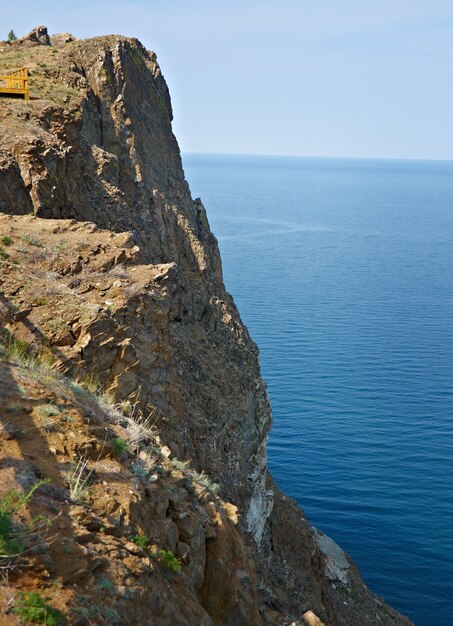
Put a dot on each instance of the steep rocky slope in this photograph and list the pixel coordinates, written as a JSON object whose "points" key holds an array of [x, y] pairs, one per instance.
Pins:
{"points": [[109, 270]]}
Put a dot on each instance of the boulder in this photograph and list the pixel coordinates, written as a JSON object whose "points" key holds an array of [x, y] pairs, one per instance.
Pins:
{"points": [[38, 36]]}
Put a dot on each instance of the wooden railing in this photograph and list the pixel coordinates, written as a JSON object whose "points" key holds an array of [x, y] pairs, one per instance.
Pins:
{"points": [[15, 82]]}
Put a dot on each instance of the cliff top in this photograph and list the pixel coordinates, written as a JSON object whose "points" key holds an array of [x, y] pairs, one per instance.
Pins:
{"points": [[58, 78]]}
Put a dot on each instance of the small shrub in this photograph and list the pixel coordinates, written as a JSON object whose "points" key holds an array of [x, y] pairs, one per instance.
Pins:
{"points": [[142, 541], [10, 541], [168, 558], [48, 410], [46, 413], [139, 469], [6, 240], [55, 325], [119, 447], [33, 240], [31, 608]]}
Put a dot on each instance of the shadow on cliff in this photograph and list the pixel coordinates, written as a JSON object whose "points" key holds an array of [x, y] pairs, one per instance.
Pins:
{"points": [[25, 459], [124, 171]]}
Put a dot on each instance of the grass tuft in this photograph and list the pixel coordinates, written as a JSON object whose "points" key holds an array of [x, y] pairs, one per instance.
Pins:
{"points": [[199, 480], [13, 541], [13, 349], [79, 479], [33, 241]]}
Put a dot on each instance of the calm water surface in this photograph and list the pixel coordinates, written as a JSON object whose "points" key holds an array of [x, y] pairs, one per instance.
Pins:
{"points": [[343, 271]]}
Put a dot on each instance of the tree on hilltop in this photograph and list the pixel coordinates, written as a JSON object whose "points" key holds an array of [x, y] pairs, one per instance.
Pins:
{"points": [[12, 35]]}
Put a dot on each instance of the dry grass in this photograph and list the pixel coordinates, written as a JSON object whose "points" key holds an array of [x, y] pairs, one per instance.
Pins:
{"points": [[79, 477], [46, 65]]}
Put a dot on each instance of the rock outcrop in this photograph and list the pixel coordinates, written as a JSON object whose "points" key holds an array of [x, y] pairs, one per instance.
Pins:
{"points": [[111, 270], [38, 36]]}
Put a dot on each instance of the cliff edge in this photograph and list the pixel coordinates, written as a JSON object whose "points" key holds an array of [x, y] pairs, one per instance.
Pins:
{"points": [[127, 370]]}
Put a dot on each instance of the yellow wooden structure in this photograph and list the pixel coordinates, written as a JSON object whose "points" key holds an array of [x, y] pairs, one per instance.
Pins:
{"points": [[15, 82]]}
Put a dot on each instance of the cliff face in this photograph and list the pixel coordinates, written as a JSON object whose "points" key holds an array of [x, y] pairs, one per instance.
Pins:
{"points": [[110, 158], [111, 269]]}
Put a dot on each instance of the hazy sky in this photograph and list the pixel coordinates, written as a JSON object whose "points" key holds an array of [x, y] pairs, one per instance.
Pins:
{"points": [[306, 77]]}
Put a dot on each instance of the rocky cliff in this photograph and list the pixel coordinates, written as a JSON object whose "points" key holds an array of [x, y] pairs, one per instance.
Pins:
{"points": [[110, 276]]}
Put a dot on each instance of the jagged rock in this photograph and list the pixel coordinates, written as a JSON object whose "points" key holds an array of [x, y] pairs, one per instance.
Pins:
{"points": [[60, 38], [37, 36], [337, 565], [310, 619]]}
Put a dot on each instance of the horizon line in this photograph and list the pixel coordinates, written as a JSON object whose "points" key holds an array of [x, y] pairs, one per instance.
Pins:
{"points": [[310, 156]]}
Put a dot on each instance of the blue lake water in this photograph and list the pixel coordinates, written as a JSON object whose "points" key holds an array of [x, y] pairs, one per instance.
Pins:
{"points": [[342, 270]]}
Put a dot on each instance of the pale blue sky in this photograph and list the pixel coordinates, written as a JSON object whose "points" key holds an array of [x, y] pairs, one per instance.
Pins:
{"points": [[297, 77]]}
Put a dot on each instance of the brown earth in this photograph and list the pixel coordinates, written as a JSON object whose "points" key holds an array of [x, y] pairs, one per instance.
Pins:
{"points": [[110, 274], [86, 562]]}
